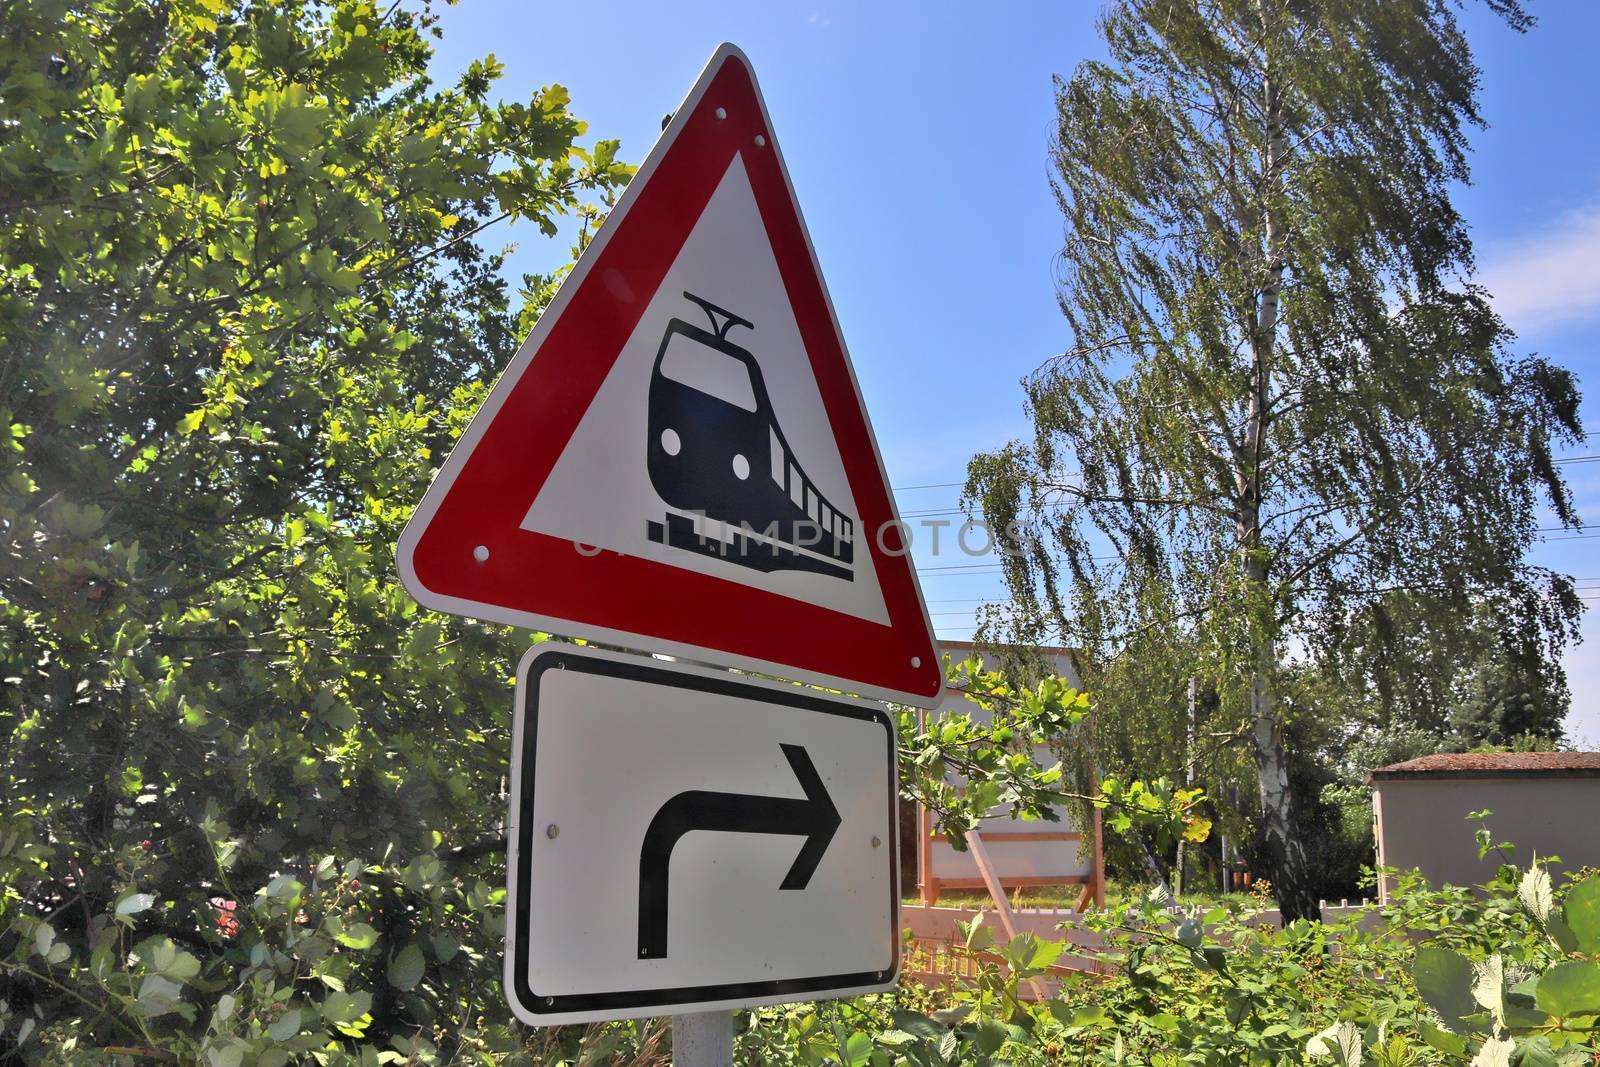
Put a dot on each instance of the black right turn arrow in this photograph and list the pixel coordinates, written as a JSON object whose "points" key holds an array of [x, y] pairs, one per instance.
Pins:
{"points": [[814, 818]]}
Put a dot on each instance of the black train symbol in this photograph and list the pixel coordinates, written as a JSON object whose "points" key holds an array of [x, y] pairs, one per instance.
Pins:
{"points": [[716, 450]]}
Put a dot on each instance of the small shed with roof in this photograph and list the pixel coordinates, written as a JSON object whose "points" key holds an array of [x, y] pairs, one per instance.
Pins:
{"points": [[1545, 803]]}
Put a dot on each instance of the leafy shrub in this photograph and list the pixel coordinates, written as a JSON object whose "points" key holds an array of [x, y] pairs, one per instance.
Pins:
{"points": [[1504, 974]]}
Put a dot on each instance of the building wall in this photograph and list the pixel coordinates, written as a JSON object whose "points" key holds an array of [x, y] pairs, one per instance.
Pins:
{"points": [[1422, 823], [1014, 859]]}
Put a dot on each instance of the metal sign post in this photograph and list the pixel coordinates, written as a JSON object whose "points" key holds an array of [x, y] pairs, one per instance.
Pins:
{"points": [[704, 1039]]}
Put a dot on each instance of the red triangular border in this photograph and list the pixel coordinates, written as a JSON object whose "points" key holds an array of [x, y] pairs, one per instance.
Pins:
{"points": [[497, 469]]}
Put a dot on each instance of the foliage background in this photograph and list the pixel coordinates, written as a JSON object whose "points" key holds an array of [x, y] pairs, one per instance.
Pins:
{"points": [[242, 312]]}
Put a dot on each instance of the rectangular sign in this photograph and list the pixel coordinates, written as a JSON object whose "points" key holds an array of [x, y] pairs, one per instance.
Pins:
{"points": [[685, 839]]}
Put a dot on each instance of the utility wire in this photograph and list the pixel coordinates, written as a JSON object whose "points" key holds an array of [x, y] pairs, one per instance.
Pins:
{"points": [[1589, 458]]}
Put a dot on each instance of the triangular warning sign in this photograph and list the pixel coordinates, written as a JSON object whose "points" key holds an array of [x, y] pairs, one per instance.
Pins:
{"points": [[678, 459]]}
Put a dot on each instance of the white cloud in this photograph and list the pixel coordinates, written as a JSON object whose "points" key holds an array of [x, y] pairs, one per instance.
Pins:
{"points": [[1549, 280]]}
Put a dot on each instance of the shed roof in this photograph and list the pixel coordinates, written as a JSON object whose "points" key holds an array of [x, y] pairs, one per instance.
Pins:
{"points": [[1492, 765]]}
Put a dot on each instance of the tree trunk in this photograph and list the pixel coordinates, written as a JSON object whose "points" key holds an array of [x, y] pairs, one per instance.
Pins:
{"points": [[1285, 854], [1277, 840], [1152, 865], [1188, 781]]}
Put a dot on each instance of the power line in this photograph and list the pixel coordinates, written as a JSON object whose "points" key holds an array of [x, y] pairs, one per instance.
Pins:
{"points": [[1056, 505], [1593, 457], [933, 485]]}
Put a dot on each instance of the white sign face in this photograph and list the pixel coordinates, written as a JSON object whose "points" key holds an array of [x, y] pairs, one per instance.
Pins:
{"points": [[733, 471], [684, 839]]}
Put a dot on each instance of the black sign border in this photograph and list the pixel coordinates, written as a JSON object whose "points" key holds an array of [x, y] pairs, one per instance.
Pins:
{"points": [[652, 674]]}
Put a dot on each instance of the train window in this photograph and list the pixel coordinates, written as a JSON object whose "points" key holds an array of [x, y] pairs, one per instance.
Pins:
{"points": [[779, 459], [699, 366], [797, 486]]}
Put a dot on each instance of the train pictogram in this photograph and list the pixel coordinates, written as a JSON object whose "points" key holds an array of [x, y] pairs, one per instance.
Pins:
{"points": [[716, 452]]}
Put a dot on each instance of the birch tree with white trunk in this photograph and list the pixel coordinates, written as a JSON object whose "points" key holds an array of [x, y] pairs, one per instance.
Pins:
{"points": [[1283, 395]]}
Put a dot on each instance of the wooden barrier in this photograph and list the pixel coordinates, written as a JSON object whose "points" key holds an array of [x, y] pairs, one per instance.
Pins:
{"points": [[936, 954]]}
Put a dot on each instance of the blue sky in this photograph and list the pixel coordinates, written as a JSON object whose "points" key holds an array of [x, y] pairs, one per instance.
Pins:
{"points": [[916, 138]]}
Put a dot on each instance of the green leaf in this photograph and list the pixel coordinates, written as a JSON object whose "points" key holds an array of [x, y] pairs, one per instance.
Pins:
{"points": [[1444, 980], [1535, 1052], [857, 1049], [405, 970], [917, 1024], [1570, 988], [1087, 1015], [287, 1025], [346, 1007], [1495, 1052], [1534, 892], [988, 1038], [357, 936], [1342, 1041], [1044, 953], [134, 903], [158, 995], [1443, 1040], [1582, 911], [1556, 926], [979, 934], [1520, 1009]]}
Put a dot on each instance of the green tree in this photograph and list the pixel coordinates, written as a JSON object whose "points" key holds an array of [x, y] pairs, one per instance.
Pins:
{"points": [[243, 313], [1280, 400], [1481, 674]]}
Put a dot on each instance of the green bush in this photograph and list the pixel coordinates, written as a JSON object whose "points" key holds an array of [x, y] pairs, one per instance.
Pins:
{"points": [[1503, 974]]}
